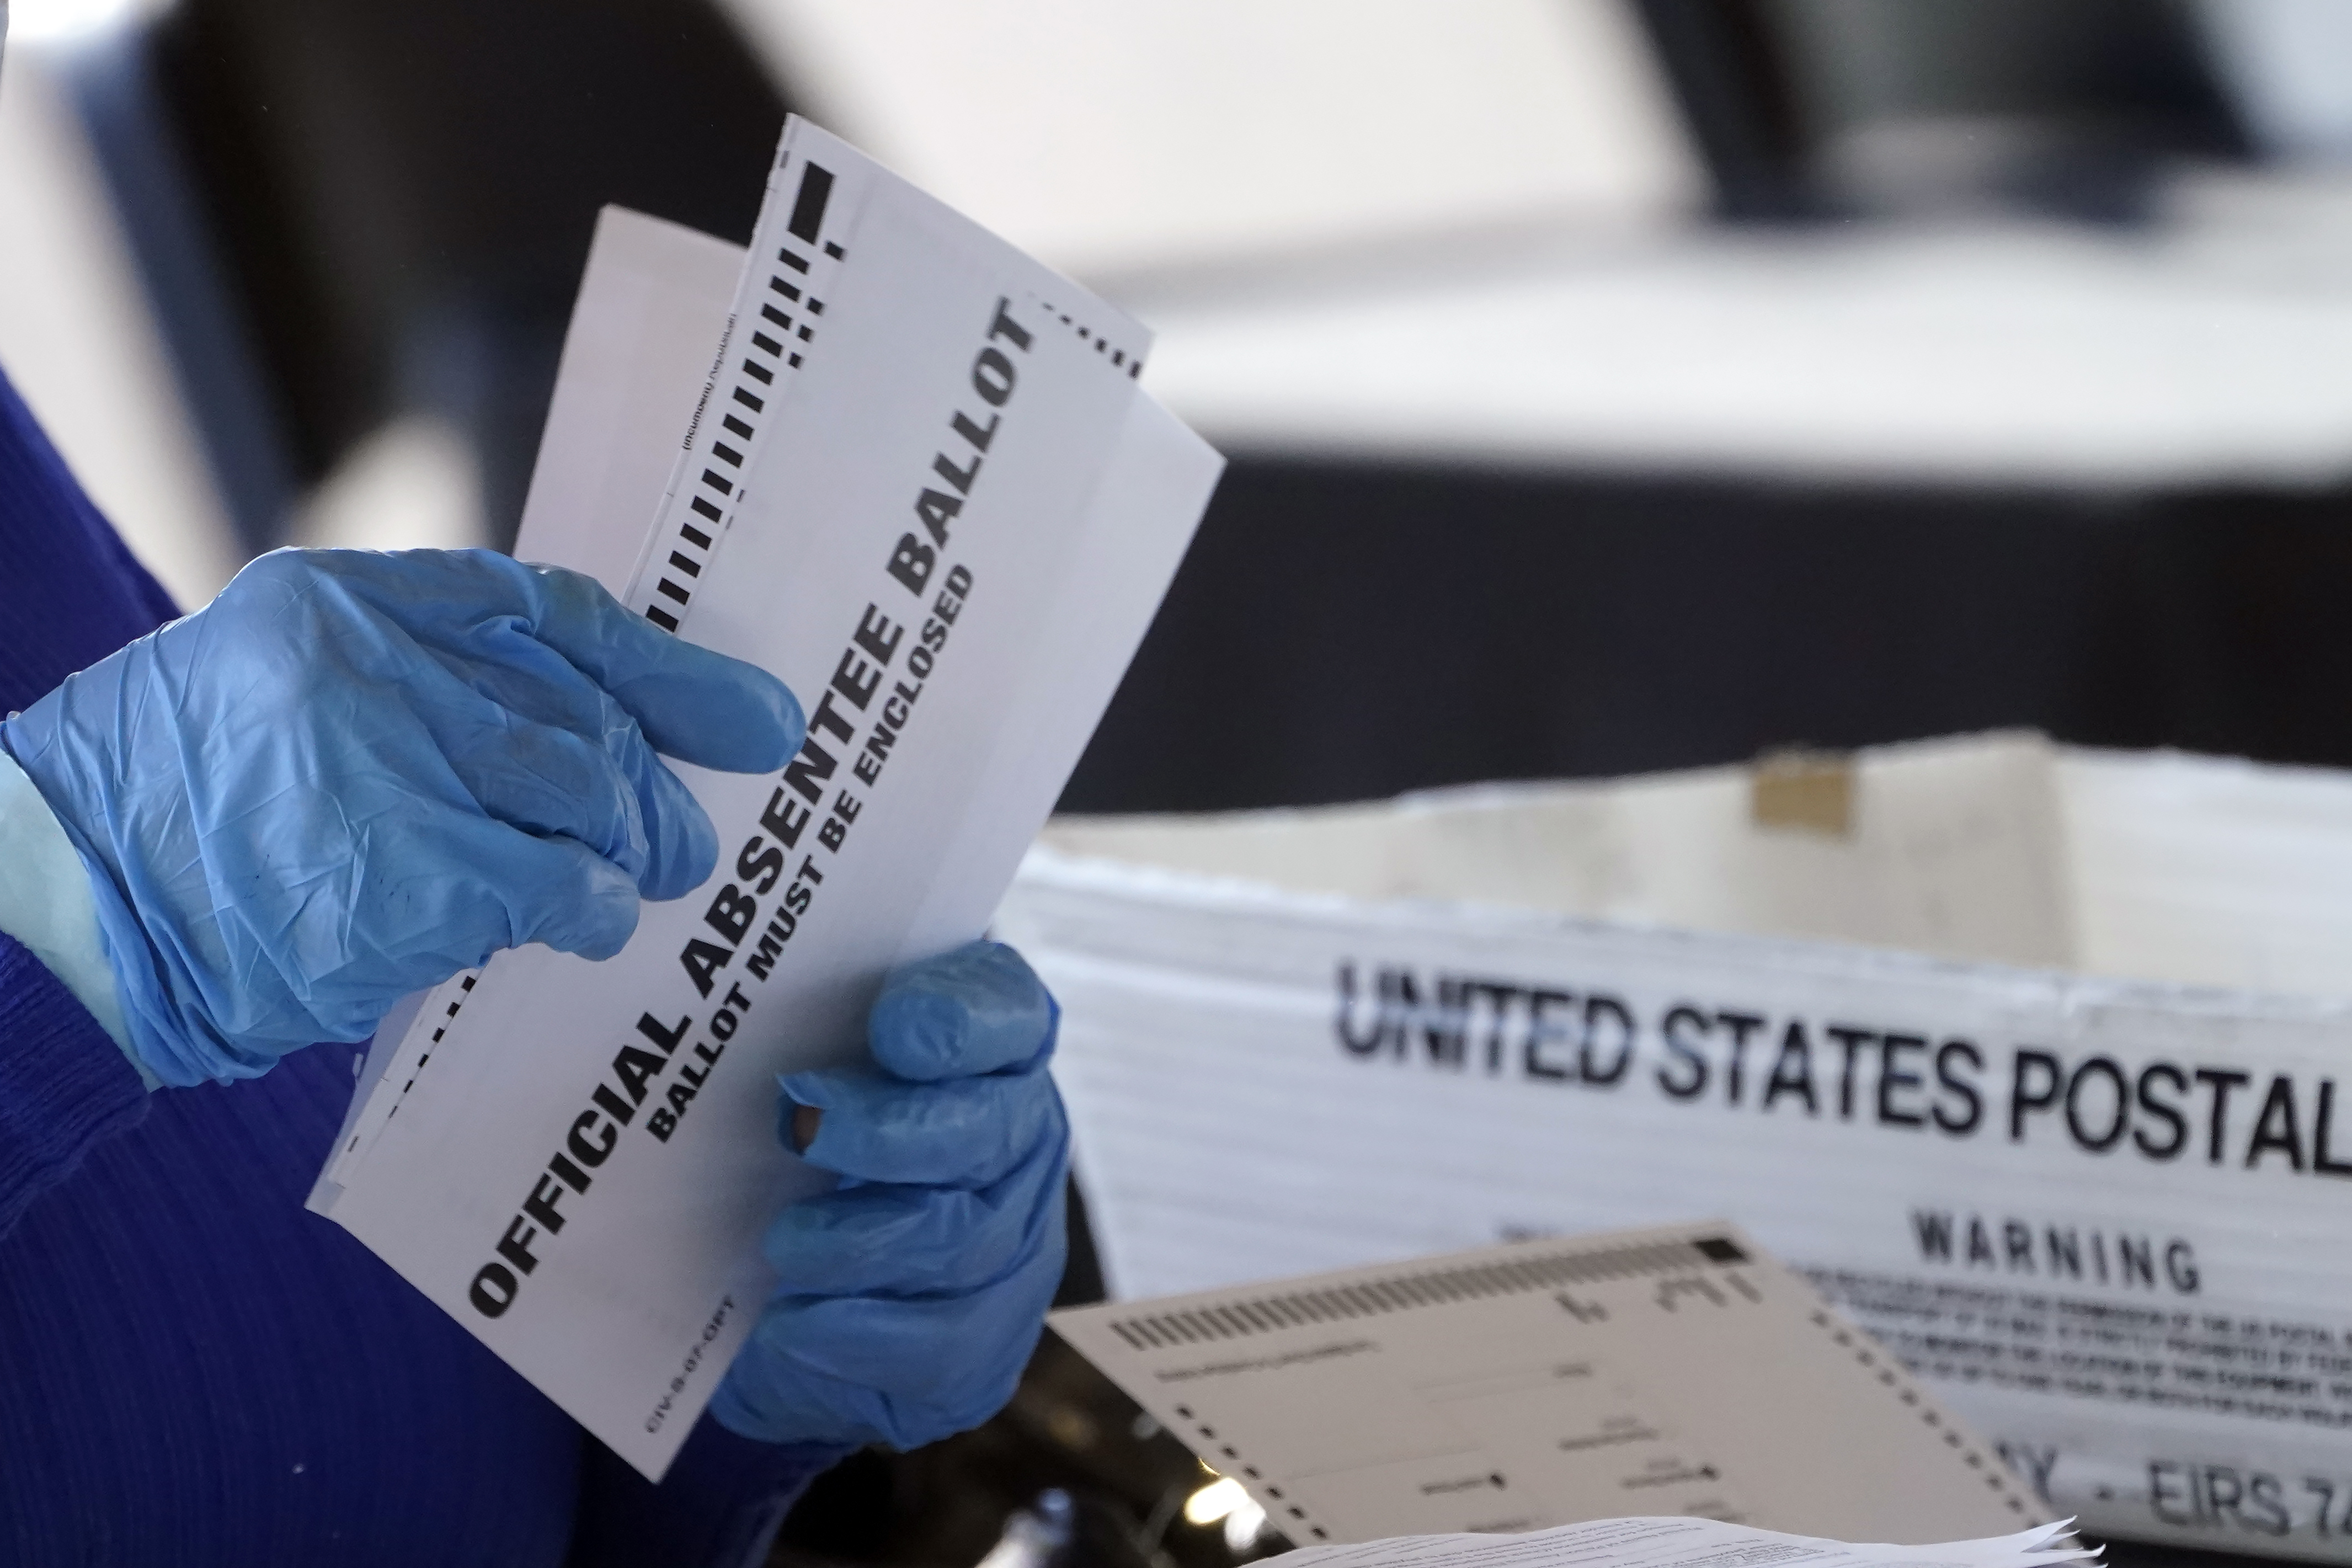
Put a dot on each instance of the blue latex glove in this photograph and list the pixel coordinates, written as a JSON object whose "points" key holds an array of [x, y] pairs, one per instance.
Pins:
{"points": [[353, 775], [911, 1297]]}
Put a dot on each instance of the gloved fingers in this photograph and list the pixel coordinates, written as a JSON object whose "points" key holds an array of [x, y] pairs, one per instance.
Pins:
{"points": [[540, 745], [803, 1375], [553, 891], [696, 705], [898, 1370], [770, 1396], [615, 797], [681, 846], [482, 647], [966, 1132], [971, 1010], [548, 782], [692, 703], [486, 887], [880, 1239]]}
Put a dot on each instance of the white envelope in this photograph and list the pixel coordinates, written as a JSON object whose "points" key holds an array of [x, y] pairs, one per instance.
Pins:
{"points": [[919, 483]]}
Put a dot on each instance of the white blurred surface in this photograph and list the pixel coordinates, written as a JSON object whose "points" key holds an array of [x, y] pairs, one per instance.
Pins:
{"points": [[44, 21], [79, 336], [2288, 64], [1155, 133], [2212, 348], [413, 485]]}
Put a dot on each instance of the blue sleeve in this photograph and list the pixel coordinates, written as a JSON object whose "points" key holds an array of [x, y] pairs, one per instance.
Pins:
{"points": [[63, 1084], [718, 1508], [70, 593]]}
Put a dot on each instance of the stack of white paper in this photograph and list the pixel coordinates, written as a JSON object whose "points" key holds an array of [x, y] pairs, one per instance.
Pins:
{"points": [[917, 481], [1684, 1544]]}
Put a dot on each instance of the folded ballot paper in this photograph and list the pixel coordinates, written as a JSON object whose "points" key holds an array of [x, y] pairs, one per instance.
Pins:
{"points": [[1683, 1544], [910, 471]]}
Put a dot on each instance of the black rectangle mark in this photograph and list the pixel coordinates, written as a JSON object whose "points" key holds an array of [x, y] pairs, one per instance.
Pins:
{"points": [[717, 481], [752, 368], [727, 454], [737, 427], [661, 618], [704, 505], [685, 563], [772, 313], [808, 207], [673, 589], [794, 262], [693, 536], [788, 291], [748, 401]]}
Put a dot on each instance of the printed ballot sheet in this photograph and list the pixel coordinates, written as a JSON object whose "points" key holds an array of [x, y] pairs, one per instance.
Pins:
{"points": [[1677, 1369], [1684, 1544], [919, 483]]}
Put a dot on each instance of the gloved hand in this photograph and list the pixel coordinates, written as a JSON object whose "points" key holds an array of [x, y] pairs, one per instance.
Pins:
{"points": [[910, 1296], [353, 775]]}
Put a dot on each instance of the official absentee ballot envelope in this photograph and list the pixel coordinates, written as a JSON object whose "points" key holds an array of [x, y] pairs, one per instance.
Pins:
{"points": [[918, 482], [1669, 1371]]}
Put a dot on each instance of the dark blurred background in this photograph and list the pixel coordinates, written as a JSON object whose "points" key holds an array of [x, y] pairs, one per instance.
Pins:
{"points": [[1611, 385]]}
